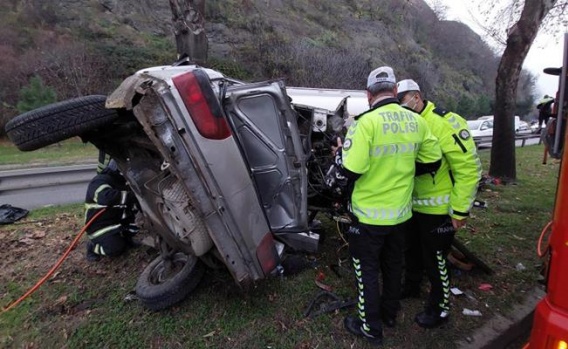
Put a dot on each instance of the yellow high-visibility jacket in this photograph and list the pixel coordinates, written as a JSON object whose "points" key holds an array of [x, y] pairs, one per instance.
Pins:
{"points": [[453, 188], [383, 146]]}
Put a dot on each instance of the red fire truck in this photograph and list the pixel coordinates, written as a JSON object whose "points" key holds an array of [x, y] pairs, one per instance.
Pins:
{"points": [[550, 324]]}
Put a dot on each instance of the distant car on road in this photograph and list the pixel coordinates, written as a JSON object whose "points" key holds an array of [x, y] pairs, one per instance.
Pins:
{"points": [[523, 129], [517, 121], [535, 127], [480, 128]]}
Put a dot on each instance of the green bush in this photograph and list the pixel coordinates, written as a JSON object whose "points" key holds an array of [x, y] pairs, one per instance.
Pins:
{"points": [[35, 95], [230, 68]]}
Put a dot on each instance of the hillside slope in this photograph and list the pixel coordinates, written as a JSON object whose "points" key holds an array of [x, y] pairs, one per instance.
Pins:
{"points": [[88, 46]]}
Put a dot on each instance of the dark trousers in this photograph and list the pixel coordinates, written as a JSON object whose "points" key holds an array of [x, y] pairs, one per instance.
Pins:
{"points": [[428, 241], [543, 119], [111, 244], [374, 249]]}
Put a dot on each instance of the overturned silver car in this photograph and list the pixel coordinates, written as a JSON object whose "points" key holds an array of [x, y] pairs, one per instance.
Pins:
{"points": [[225, 172]]}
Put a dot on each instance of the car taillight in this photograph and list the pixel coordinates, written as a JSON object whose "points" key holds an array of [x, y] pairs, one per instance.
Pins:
{"points": [[202, 105], [267, 254]]}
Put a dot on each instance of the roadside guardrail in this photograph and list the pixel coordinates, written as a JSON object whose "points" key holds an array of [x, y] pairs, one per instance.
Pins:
{"points": [[522, 138], [36, 187]]}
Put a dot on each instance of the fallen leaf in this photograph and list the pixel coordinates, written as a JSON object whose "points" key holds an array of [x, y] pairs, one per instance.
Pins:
{"points": [[282, 326], [210, 334], [26, 241], [61, 300], [38, 234]]}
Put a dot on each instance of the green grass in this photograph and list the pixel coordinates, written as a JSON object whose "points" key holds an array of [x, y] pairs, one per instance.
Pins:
{"points": [[67, 152], [94, 314]]}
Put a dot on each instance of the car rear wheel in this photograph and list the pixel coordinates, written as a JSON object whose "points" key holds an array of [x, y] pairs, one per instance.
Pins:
{"points": [[166, 282], [59, 121]]}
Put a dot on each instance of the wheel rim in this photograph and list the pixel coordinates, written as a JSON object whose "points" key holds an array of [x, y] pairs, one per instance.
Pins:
{"points": [[166, 270]]}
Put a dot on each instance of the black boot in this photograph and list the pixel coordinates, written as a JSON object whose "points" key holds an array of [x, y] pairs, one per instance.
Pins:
{"points": [[431, 318], [354, 325], [131, 242], [91, 255]]}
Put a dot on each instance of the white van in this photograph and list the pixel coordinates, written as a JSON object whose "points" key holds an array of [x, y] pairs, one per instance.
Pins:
{"points": [[329, 99]]}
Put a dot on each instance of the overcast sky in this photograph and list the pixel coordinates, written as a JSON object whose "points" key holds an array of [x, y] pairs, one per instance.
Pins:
{"points": [[545, 52]]}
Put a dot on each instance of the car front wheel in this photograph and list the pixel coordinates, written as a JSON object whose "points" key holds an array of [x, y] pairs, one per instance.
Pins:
{"points": [[59, 121], [166, 282]]}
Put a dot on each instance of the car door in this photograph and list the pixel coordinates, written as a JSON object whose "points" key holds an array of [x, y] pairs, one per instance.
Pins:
{"points": [[266, 128]]}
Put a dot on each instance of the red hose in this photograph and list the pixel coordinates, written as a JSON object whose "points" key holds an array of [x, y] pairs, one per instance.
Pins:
{"points": [[56, 266], [539, 245]]}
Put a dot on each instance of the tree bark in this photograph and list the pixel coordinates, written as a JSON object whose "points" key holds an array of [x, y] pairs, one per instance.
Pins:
{"points": [[519, 40], [189, 29]]}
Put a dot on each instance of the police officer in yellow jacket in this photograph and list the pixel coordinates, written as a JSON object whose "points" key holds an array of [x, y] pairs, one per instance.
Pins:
{"points": [[378, 160], [441, 204]]}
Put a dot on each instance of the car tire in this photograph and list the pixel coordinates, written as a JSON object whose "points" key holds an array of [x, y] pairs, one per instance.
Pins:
{"points": [[158, 291], [59, 121]]}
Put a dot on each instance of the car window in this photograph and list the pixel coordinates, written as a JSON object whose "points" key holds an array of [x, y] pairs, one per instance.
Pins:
{"points": [[473, 124]]}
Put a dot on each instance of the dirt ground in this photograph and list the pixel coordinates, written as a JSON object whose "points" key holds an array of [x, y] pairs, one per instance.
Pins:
{"points": [[66, 301], [30, 248]]}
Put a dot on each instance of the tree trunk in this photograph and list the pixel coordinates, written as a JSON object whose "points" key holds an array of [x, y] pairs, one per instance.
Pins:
{"points": [[189, 29], [519, 40]]}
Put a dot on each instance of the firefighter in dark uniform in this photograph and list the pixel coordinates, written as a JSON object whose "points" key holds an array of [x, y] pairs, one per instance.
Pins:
{"points": [[111, 232], [376, 165], [441, 204]]}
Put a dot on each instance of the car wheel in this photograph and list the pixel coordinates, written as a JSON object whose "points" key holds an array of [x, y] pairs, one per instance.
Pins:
{"points": [[165, 283], [59, 121]]}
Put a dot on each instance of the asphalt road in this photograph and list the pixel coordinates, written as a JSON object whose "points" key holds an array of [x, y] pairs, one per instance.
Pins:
{"points": [[38, 187]]}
